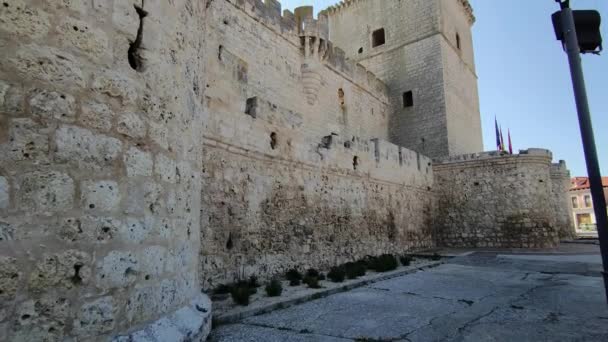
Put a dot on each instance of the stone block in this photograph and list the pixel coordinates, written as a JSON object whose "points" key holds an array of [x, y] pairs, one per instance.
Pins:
{"points": [[138, 162], [4, 193], [65, 270], [53, 105], [131, 125], [116, 85], [7, 231], [79, 34], [96, 317], [142, 304], [85, 149], [153, 261], [100, 195], [48, 64], [97, 115], [11, 98], [165, 168], [27, 141], [117, 269], [135, 230], [143, 197], [45, 191], [19, 18], [9, 278], [42, 319]]}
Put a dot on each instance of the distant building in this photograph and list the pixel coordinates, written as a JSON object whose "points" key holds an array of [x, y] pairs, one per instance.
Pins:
{"points": [[582, 204]]}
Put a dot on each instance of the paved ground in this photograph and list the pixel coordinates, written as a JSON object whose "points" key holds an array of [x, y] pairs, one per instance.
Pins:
{"points": [[482, 297]]}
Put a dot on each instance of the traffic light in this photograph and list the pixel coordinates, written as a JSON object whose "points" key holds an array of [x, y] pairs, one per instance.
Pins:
{"points": [[587, 24]]}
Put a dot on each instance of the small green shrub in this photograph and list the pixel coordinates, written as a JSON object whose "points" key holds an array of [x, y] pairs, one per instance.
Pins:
{"points": [[253, 282], [336, 274], [354, 270], [295, 282], [312, 273], [241, 293], [322, 276], [222, 289], [293, 274], [312, 282], [383, 263], [274, 288], [406, 260]]}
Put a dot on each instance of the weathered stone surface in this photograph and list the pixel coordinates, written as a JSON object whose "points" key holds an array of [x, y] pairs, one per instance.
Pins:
{"points": [[84, 148], [62, 270], [45, 191], [22, 19], [100, 195], [52, 105], [80, 37], [115, 85], [4, 193], [9, 278], [117, 269], [130, 124], [97, 116], [96, 317], [49, 64], [27, 140], [138, 162]]}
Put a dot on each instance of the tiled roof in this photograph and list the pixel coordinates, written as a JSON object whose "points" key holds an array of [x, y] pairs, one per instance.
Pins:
{"points": [[580, 183]]}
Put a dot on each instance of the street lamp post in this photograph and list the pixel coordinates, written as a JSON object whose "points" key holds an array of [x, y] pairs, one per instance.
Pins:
{"points": [[587, 41]]}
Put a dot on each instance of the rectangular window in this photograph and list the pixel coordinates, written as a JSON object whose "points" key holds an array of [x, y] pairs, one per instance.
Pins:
{"points": [[575, 202], [378, 38], [588, 202], [408, 99]]}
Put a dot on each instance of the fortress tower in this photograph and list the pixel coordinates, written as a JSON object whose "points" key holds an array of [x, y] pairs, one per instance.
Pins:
{"points": [[423, 51]]}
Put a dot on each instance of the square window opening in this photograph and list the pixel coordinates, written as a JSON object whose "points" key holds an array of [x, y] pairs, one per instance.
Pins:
{"points": [[378, 38]]}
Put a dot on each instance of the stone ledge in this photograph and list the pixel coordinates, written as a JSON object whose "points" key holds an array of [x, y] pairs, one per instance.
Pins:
{"points": [[233, 317], [190, 323]]}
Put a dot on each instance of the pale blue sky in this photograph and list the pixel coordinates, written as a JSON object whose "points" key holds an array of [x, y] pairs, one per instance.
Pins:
{"points": [[524, 78]]}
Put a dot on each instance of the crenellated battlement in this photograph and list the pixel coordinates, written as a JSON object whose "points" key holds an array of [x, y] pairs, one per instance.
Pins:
{"points": [[312, 35], [344, 5]]}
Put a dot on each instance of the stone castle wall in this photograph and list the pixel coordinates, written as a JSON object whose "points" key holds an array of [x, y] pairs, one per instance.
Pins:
{"points": [[560, 182], [100, 167], [292, 179], [489, 200]]}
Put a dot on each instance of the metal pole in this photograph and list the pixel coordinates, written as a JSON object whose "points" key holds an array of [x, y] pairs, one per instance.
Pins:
{"points": [[584, 118]]}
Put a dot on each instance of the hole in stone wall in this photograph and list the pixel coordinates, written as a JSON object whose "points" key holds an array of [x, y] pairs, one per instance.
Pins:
{"points": [[229, 243], [400, 157], [273, 140], [355, 163], [476, 183], [347, 144], [341, 97], [408, 99], [458, 41], [135, 58], [360, 50], [326, 141], [76, 278], [251, 107], [225, 21], [378, 37], [219, 52]]}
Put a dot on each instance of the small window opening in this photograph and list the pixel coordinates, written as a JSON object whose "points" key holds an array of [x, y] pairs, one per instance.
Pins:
{"points": [[378, 38], [355, 163], [273, 140], [251, 107], [360, 50], [408, 99], [458, 41], [341, 98]]}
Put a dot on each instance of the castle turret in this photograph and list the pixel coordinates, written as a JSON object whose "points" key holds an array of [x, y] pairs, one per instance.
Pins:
{"points": [[423, 51]]}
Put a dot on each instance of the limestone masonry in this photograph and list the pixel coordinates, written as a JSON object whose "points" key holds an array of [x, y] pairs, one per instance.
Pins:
{"points": [[150, 149]]}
